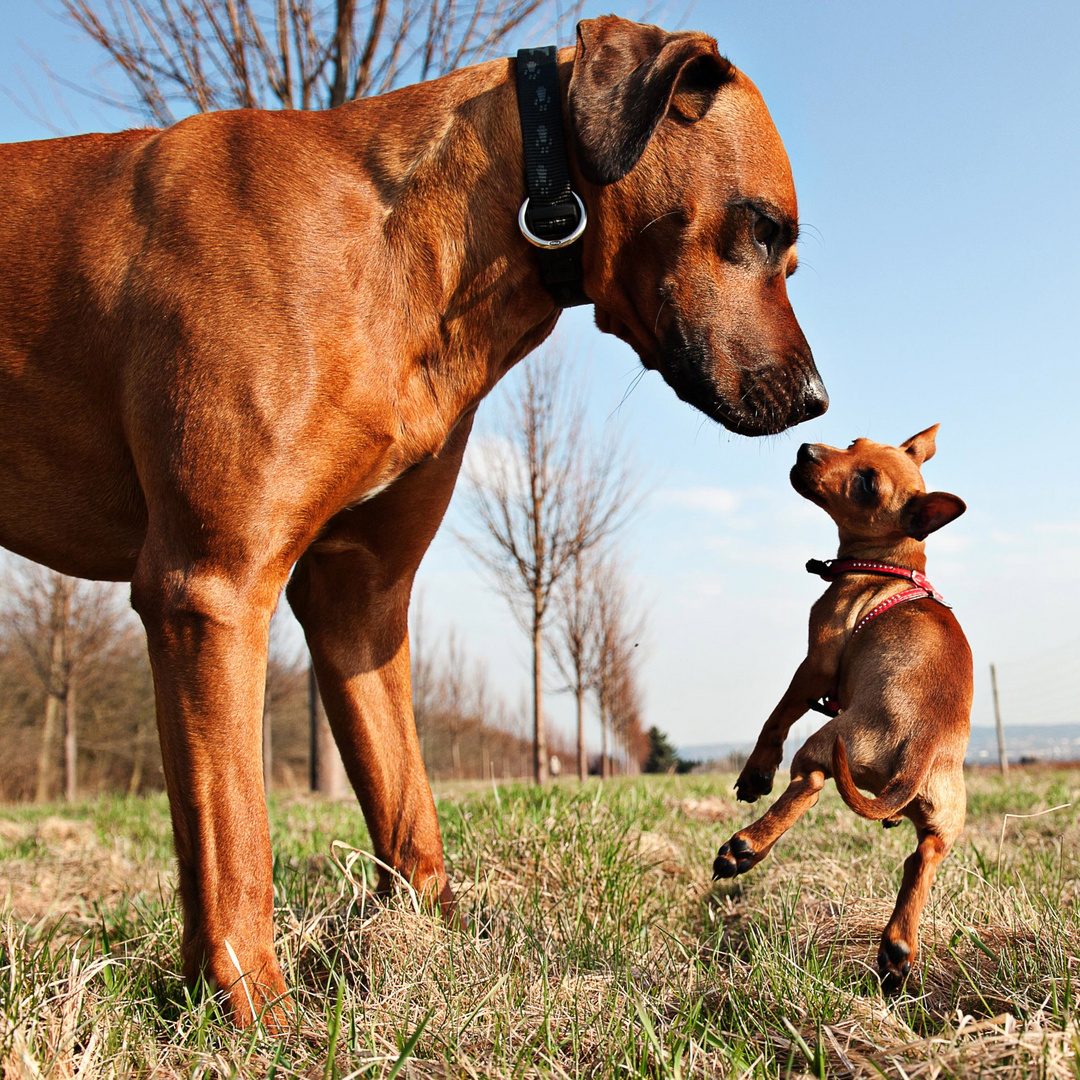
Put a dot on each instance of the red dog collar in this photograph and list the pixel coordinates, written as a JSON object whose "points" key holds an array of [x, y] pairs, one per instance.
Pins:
{"points": [[831, 569]]}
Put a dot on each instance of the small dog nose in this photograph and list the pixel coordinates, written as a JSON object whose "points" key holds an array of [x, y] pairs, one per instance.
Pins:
{"points": [[808, 453]]}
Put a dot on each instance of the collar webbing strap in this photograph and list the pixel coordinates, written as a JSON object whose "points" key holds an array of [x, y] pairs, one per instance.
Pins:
{"points": [[552, 213]]}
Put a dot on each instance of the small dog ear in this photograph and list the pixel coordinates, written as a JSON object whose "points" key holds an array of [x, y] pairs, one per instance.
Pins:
{"points": [[922, 446], [626, 77], [924, 514]]}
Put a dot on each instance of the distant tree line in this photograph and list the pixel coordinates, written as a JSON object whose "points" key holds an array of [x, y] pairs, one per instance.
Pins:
{"points": [[77, 700]]}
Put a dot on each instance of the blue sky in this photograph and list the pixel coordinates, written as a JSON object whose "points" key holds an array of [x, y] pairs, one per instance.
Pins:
{"points": [[936, 149]]}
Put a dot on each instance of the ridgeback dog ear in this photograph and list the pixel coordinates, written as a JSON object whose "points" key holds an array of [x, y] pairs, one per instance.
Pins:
{"points": [[924, 514], [922, 446], [626, 78]]}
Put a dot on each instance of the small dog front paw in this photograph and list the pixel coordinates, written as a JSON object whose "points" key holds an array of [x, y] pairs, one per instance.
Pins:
{"points": [[894, 965], [753, 783], [735, 857]]}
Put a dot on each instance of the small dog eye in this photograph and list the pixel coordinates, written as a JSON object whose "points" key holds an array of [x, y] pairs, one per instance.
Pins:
{"points": [[766, 231], [866, 485]]}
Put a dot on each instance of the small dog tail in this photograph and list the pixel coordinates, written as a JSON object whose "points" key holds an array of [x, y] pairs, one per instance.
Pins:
{"points": [[897, 794]]}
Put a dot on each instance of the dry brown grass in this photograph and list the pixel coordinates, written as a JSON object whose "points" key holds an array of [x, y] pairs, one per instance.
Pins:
{"points": [[598, 945]]}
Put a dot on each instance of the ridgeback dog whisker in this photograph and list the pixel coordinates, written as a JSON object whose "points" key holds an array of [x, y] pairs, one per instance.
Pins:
{"points": [[889, 662], [245, 352]]}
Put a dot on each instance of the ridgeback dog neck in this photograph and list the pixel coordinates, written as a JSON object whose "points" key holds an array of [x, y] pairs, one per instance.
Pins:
{"points": [[892, 656], [247, 350]]}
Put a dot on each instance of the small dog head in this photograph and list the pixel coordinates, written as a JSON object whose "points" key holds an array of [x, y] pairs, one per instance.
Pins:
{"points": [[873, 491]]}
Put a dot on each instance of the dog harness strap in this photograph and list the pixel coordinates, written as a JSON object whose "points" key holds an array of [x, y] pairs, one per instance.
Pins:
{"points": [[553, 217], [831, 569]]}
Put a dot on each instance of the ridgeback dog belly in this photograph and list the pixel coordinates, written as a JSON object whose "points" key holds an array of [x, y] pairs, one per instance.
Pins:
{"points": [[246, 350]]}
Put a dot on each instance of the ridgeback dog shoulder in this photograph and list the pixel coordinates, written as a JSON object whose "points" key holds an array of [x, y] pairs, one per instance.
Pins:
{"points": [[246, 351]]}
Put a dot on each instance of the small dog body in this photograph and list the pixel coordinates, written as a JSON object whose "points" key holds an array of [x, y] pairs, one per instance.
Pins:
{"points": [[896, 675]]}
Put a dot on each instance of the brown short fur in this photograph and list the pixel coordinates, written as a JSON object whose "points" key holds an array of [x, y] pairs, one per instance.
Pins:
{"points": [[904, 682], [247, 350]]}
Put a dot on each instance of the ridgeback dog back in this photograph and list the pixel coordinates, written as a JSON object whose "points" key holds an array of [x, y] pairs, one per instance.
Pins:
{"points": [[245, 352]]}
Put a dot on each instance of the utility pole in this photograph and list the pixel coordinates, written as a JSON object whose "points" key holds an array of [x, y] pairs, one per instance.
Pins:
{"points": [[997, 719]]}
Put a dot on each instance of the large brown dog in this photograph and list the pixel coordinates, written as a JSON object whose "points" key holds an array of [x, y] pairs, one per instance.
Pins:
{"points": [[252, 345], [892, 657]]}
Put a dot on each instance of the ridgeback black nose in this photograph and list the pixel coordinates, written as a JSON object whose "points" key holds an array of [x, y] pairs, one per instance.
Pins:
{"points": [[816, 398], [808, 453]]}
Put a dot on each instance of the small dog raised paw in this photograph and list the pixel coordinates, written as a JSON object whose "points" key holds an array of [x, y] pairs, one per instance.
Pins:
{"points": [[752, 784], [735, 857], [894, 965]]}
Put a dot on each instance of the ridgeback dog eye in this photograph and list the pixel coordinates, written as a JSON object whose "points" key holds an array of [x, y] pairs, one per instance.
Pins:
{"points": [[766, 233]]}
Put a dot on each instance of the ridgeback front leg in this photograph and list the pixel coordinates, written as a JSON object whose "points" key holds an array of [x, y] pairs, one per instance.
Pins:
{"points": [[206, 629], [350, 592], [756, 779]]}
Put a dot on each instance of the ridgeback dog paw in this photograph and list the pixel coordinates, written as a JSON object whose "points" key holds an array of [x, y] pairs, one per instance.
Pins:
{"points": [[894, 964], [735, 857], [753, 783]]}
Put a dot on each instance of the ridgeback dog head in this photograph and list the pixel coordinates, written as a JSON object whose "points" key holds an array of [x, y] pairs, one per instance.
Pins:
{"points": [[873, 491], [693, 223]]}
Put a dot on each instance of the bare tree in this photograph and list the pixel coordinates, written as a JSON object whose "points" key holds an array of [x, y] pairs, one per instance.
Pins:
{"points": [[616, 634], [574, 645], [542, 499], [63, 629], [183, 56], [425, 681]]}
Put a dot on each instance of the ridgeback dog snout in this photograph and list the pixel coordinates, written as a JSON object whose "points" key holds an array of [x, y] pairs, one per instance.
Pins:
{"points": [[888, 663], [247, 350]]}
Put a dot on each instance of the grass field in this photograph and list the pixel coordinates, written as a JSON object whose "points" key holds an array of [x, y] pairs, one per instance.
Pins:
{"points": [[598, 945]]}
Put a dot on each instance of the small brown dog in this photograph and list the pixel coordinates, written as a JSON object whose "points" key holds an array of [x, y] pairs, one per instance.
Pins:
{"points": [[899, 687]]}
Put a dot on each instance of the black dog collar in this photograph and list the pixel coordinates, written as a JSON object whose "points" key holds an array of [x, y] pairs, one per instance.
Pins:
{"points": [[553, 217]]}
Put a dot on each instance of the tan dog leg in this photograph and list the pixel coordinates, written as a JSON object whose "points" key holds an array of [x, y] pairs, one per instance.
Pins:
{"points": [[207, 638], [351, 592], [900, 939], [750, 845], [359, 643], [807, 684]]}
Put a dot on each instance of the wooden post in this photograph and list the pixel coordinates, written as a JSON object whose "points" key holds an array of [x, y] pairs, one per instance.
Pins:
{"points": [[997, 719]]}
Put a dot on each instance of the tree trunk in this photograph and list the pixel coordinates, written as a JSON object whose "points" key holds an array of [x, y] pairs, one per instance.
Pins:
{"points": [[326, 772], [582, 761], [140, 753], [54, 692], [540, 754], [71, 747], [48, 740], [605, 759]]}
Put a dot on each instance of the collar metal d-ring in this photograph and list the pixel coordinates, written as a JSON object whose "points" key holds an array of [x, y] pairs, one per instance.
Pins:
{"points": [[558, 242]]}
